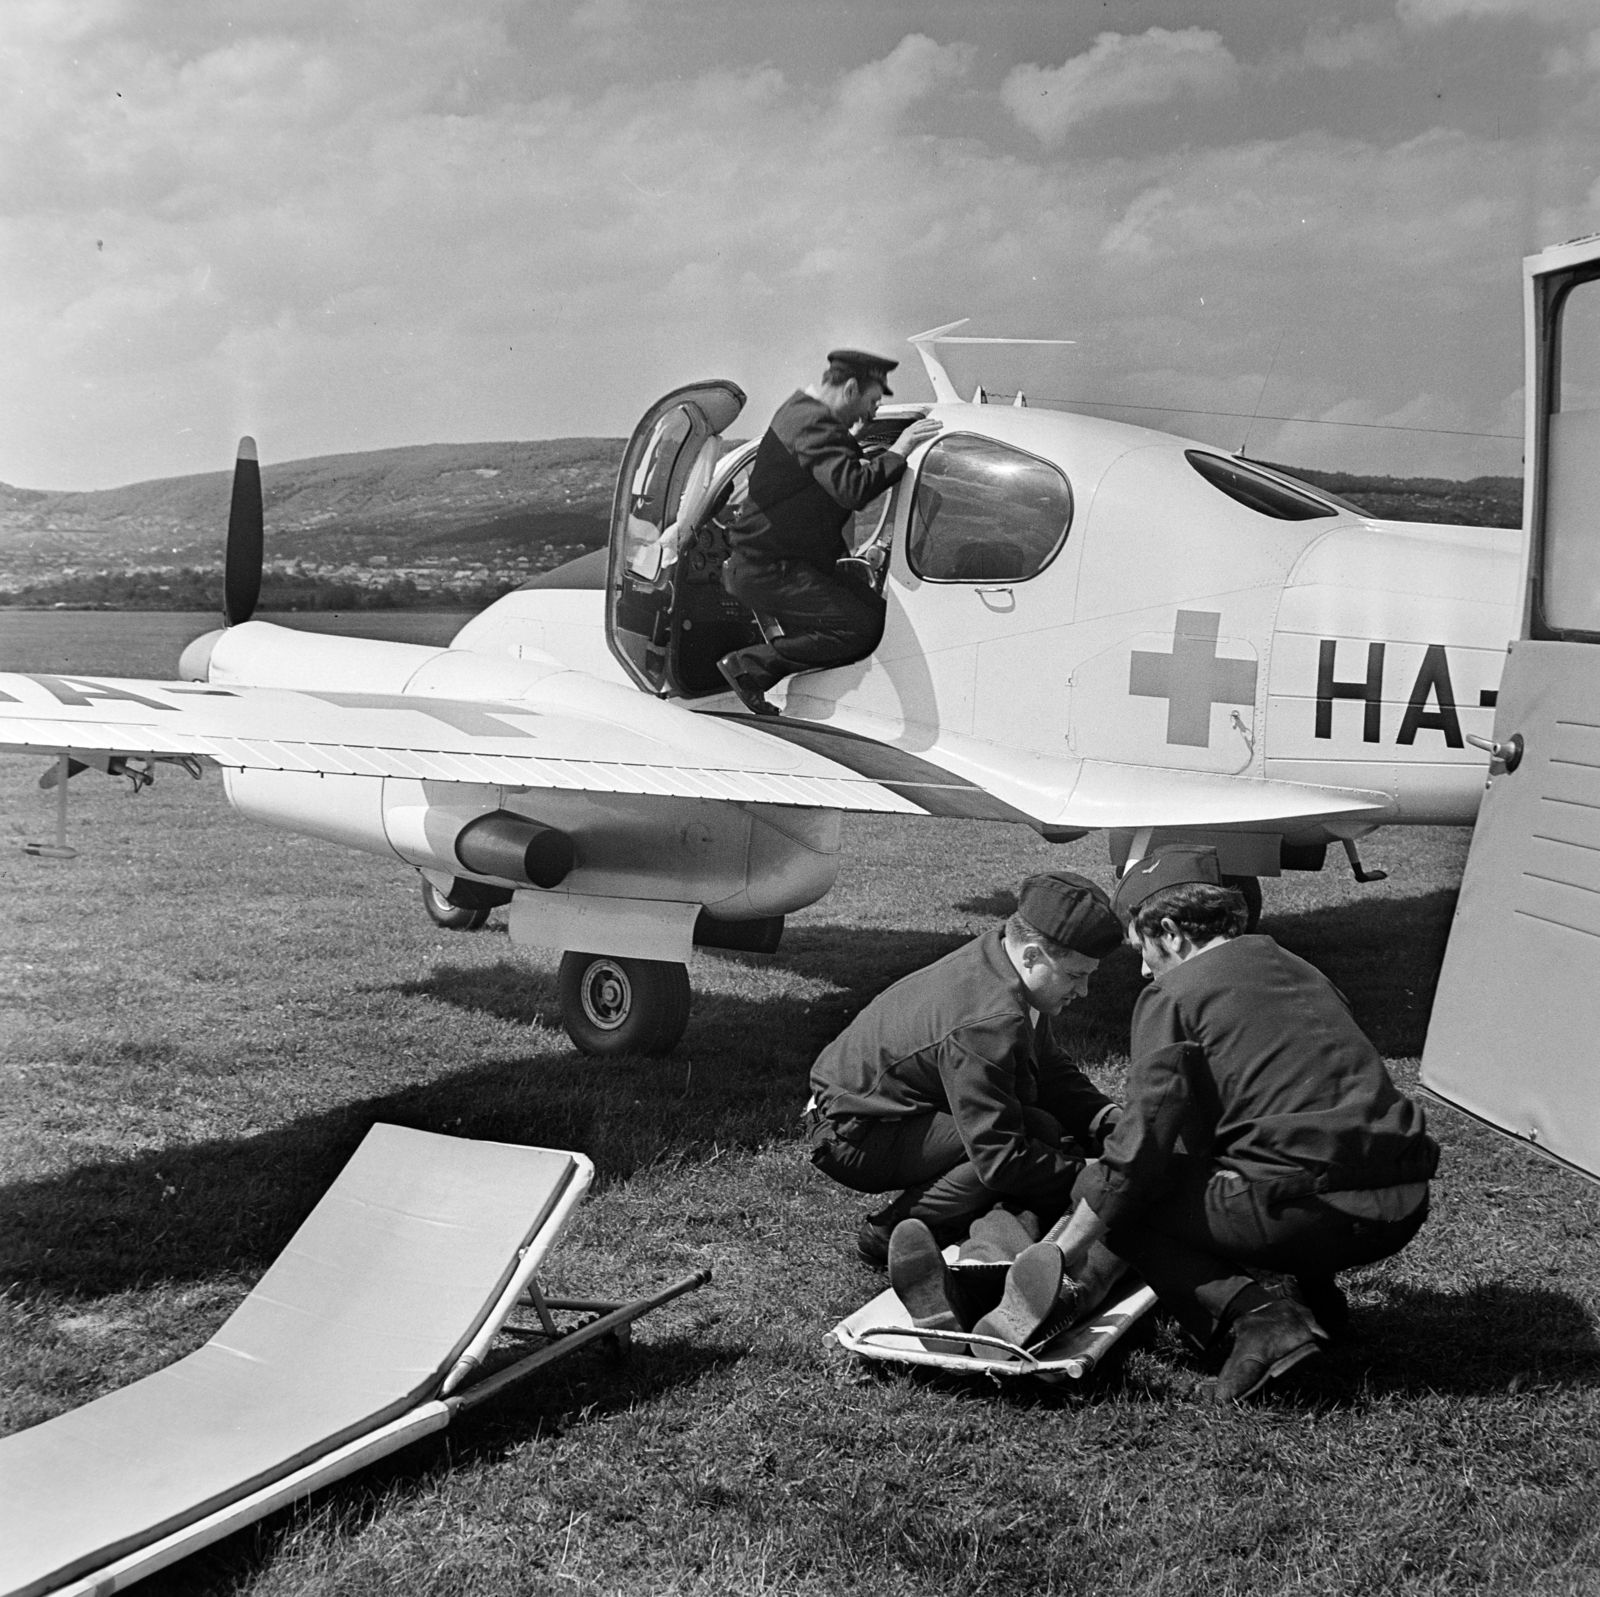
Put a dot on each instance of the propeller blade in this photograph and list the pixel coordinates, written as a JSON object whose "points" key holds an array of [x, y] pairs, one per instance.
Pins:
{"points": [[241, 580]]}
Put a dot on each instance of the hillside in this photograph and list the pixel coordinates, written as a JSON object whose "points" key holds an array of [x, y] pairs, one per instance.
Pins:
{"points": [[433, 511], [1478, 502]]}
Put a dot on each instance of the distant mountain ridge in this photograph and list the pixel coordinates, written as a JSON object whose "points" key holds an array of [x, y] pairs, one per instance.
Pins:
{"points": [[494, 501]]}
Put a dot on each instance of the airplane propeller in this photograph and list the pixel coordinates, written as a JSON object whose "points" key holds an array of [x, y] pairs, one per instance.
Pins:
{"points": [[241, 581]]}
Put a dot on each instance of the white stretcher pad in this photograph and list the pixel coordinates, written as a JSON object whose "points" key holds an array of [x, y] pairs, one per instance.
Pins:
{"points": [[382, 1304], [882, 1329]]}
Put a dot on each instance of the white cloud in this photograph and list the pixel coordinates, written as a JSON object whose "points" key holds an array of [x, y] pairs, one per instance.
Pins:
{"points": [[914, 69], [1119, 72], [605, 16], [1330, 49], [1433, 13], [1583, 61], [344, 240]]}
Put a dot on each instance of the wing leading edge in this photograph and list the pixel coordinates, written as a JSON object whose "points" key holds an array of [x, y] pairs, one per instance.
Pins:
{"points": [[510, 743]]}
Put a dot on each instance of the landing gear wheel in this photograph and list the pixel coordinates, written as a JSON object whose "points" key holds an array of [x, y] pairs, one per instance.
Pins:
{"points": [[612, 1006], [1250, 888], [443, 913]]}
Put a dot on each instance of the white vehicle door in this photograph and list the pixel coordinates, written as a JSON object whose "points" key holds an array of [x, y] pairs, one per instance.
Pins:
{"points": [[1515, 1033], [668, 620]]}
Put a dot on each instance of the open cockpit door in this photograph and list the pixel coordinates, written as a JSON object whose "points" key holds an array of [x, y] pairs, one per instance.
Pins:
{"points": [[668, 620], [1515, 1033]]}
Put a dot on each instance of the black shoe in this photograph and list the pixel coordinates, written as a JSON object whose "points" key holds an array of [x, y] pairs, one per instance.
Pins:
{"points": [[976, 1286], [744, 686], [1267, 1343], [1330, 1308], [920, 1280], [872, 1243], [1040, 1298]]}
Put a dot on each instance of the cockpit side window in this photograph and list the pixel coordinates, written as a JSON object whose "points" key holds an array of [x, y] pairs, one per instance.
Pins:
{"points": [[985, 512], [1255, 490]]}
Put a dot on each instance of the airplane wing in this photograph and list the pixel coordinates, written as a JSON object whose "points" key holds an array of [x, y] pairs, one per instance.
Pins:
{"points": [[653, 748], [975, 780], [630, 744]]}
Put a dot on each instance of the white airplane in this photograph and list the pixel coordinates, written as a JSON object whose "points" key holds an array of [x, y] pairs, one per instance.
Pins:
{"points": [[1090, 626]]}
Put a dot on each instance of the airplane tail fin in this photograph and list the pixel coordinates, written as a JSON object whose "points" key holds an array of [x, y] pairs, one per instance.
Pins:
{"points": [[944, 390]]}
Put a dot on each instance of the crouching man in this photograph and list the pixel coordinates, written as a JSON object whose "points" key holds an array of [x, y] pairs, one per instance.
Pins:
{"points": [[949, 1087], [1263, 1147]]}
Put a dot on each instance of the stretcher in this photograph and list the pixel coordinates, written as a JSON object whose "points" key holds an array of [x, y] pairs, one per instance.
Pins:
{"points": [[882, 1329], [372, 1329]]}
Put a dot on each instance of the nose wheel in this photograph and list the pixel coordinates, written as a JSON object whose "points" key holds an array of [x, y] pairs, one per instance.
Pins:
{"points": [[611, 1005]]}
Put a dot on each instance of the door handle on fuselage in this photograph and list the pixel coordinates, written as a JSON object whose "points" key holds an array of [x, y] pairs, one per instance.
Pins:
{"points": [[999, 609], [1508, 753]]}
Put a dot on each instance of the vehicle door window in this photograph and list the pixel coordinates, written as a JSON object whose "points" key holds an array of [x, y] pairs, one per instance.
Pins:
{"points": [[1570, 590], [985, 512]]}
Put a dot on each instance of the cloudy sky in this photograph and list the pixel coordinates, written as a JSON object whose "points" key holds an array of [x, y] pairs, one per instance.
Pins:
{"points": [[352, 224]]}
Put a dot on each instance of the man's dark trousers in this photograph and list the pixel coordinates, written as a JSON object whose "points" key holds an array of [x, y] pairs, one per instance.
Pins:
{"points": [[924, 1155], [826, 620], [1198, 1243]]}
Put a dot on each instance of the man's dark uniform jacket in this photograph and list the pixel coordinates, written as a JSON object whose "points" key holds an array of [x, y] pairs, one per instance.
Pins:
{"points": [[1248, 1057], [959, 1036], [810, 476]]}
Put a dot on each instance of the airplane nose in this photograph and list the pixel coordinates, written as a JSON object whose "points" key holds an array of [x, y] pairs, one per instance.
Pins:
{"points": [[194, 664]]}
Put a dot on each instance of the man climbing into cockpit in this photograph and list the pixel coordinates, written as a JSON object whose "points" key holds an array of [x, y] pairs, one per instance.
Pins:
{"points": [[810, 476]]}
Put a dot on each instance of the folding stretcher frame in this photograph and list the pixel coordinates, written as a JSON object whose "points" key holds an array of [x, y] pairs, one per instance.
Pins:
{"points": [[365, 1335], [882, 1329]]}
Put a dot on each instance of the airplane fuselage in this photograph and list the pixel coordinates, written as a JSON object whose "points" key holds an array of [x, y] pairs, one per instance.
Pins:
{"points": [[1177, 630]]}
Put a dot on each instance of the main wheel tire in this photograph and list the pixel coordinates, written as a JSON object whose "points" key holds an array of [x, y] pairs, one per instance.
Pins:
{"points": [[1249, 888], [613, 1006], [443, 913]]}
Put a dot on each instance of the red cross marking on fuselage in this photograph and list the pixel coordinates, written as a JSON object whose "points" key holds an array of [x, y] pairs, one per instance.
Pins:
{"points": [[1192, 678]]}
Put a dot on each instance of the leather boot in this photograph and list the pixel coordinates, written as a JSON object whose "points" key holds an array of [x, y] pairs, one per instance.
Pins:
{"points": [[1267, 1342], [920, 1279], [1040, 1297]]}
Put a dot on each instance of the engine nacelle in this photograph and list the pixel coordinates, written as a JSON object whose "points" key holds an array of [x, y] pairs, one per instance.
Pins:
{"points": [[515, 849]]}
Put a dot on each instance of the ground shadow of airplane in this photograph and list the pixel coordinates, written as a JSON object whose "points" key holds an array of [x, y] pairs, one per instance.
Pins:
{"points": [[224, 1204]]}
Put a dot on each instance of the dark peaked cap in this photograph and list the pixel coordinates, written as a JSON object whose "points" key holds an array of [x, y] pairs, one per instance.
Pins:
{"points": [[1171, 866], [1070, 910], [865, 368]]}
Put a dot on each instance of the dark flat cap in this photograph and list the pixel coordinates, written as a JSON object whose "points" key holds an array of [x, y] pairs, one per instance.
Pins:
{"points": [[1070, 909], [865, 368], [1170, 866]]}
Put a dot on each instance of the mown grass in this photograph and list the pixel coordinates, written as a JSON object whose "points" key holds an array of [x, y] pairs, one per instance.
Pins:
{"points": [[199, 1019]]}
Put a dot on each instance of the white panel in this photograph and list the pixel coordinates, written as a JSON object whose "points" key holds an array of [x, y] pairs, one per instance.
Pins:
{"points": [[631, 928], [339, 809], [1517, 1011], [259, 653]]}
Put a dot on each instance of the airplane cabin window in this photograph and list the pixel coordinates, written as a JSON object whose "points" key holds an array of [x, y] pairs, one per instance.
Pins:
{"points": [[984, 512], [1255, 490]]}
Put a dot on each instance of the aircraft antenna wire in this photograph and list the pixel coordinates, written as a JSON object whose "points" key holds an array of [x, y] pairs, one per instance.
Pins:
{"points": [[1256, 413], [1239, 415]]}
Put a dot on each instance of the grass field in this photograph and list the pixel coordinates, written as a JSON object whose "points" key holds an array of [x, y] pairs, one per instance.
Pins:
{"points": [[200, 1018]]}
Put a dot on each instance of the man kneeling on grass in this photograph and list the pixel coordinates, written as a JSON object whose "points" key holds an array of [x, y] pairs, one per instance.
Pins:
{"points": [[1263, 1147], [950, 1089]]}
